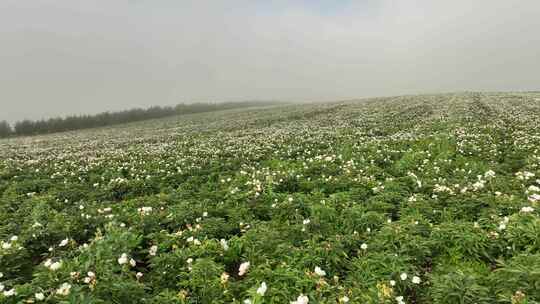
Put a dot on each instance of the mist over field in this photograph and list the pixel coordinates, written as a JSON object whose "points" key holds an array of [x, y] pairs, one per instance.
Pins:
{"points": [[77, 57], [258, 152], [428, 199]]}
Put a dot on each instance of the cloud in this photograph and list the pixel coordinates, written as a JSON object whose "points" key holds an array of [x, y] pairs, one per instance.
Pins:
{"points": [[61, 57]]}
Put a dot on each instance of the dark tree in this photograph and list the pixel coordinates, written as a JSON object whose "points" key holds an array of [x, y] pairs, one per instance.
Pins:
{"points": [[74, 122], [5, 129]]}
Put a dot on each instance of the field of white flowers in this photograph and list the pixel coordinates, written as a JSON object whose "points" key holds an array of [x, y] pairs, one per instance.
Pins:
{"points": [[413, 199]]}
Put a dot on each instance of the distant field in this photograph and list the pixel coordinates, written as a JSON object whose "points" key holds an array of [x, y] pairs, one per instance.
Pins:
{"points": [[105, 119], [411, 199]]}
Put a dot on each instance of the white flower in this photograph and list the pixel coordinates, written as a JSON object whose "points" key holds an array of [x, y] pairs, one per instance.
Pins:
{"points": [[91, 276], [123, 259], [64, 242], [9, 293], [363, 246], [139, 275], [14, 238], [1, 275], [224, 244], [489, 174], [262, 290], [403, 276], [392, 283], [344, 299], [224, 278], [55, 266], [524, 175], [132, 262], [243, 268], [320, 272], [144, 210], [247, 301], [64, 289], [527, 209], [306, 221], [416, 280], [400, 300], [205, 214], [153, 250], [534, 198], [6, 245], [48, 263], [40, 296], [302, 299], [533, 188], [478, 185], [2, 287]]}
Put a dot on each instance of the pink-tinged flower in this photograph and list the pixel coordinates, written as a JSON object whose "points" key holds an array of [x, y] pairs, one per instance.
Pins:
{"points": [[302, 299], [243, 268]]}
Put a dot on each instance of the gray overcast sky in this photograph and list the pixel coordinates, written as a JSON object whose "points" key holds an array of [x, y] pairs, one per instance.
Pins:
{"points": [[62, 57]]}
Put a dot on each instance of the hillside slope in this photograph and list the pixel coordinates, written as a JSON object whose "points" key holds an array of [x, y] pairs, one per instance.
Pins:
{"points": [[410, 199]]}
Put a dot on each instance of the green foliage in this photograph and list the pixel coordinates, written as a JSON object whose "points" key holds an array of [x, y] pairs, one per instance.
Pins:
{"points": [[415, 199], [458, 286]]}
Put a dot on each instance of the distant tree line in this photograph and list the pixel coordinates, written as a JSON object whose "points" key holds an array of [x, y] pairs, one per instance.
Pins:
{"points": [[77, 122]]}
